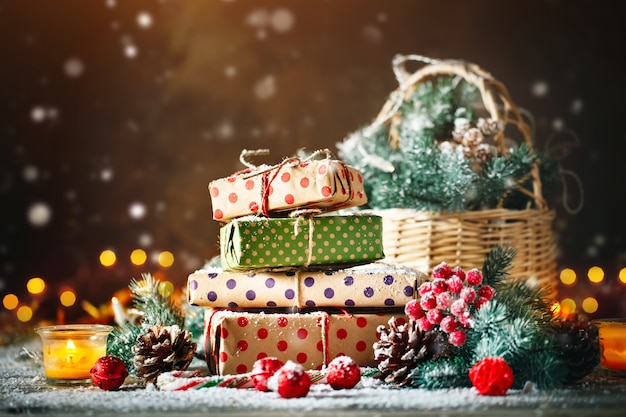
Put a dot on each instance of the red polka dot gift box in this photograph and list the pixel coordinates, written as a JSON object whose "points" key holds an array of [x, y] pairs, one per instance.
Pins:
{"points": [[235, 340], [326, 184], [256, 242], [378, 284]]}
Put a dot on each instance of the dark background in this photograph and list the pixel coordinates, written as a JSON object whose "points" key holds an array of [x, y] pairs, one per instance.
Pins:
{"points": [[105, 104]]}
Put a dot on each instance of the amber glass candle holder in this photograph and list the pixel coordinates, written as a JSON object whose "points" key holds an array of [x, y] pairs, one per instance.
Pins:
{"points": [[71, 350], [612, 335]]}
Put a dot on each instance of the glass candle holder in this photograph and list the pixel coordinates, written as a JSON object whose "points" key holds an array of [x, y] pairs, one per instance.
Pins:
{"points": [[612, 335], [71, 350]]}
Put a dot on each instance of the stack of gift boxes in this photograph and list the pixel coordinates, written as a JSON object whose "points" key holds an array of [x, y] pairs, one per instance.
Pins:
{"points": [[301, 278]]}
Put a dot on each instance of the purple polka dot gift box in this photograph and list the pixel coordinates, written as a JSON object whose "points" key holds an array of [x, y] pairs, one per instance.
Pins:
{"points": [[378, 284]]}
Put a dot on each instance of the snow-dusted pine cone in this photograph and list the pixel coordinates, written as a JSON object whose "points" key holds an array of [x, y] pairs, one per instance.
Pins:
{"points": [[402, 346], [577, 339], [163, 349]]}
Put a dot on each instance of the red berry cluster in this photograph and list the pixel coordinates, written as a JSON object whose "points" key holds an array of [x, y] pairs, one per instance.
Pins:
{"points": [[448, 300]]}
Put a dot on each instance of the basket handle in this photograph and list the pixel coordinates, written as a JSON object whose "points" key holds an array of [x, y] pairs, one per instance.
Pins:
{"points": [[494, 94]]}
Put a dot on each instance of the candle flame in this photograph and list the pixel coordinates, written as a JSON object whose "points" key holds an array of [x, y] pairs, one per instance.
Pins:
{"points": [[71, 345]]}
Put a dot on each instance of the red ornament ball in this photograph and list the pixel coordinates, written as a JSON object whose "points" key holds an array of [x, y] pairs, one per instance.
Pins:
{"points": [[263, 369], [343, 373], [491, 376], [290, 381], [109, 373]]}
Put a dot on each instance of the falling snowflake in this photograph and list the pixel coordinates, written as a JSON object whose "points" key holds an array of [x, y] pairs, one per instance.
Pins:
{"points": [[39, 214], [265, 88], [230, 71], [30, 173], [106, 174], [130, 51], [137, 211], [282, 20], [540, 88], [38, 114], [145, 239], [144, 20], [74, 68], [577, 106]]}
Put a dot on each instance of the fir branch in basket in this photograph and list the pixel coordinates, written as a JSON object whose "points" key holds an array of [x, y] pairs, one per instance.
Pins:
{"points": [[421, 174]]}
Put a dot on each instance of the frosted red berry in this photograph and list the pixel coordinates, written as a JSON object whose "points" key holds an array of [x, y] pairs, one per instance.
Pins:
{"points": [[444, 300], [479, 302], [263, 369], [428, 301], [457, 338], [487, 292], [474, 277], [343, 373], [468, 294], [290, 381], [413, 310], [434, 316], [448, 324], [108, 373], [439, 285], [458, 307], [442, 270], [455, 284], [491, 376], [424, 288], [459, 272], [425, 325]]}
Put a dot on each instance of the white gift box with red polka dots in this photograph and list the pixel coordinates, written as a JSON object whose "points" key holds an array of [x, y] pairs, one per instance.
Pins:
{"points": [[378, 284], [235, 340], [253, 242], [326, 184]]}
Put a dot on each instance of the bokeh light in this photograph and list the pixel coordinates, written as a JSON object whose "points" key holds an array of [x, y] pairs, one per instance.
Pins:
{"points": [[108, 258], [138, 257], [590, 305], [24, 313], [166, 259], [67, 298], [595, 274], [36, 285], [568, 306], [622, 275], [568, 276], [10, 301]]}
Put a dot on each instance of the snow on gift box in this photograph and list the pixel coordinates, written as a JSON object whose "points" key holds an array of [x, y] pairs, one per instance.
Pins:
{"points": [[295, 183], [252, 242], [378, 284], [235, 340]]}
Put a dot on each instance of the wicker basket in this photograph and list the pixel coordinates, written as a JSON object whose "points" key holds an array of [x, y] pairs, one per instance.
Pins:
{"points": [[423, 239]]}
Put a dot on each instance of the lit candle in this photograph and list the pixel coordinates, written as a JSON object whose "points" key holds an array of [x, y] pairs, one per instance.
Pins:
{"points": [[70, 351], [612, 335]]}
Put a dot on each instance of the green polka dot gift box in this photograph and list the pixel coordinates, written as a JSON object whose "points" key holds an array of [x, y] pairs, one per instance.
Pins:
{"points": [[256, 242], [234, 340], [327, 184], [378, 284]]}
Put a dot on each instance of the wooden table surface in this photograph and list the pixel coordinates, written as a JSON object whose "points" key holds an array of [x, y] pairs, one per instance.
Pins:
{"points": [[23, 390]]}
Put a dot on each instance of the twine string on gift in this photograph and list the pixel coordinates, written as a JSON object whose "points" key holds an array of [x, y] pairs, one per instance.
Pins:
{"points": [[268, 177], [300, 215]]}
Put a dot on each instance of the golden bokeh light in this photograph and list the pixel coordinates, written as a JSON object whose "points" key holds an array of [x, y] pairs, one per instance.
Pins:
{"points": [[595, 274], [67, 298], [568, 276], [622, 275], [24, 314], [10, 301], [166, 259], [36, 285], [555, 308], [568, 306], [108, 258], [138, 257], [590, 305]]}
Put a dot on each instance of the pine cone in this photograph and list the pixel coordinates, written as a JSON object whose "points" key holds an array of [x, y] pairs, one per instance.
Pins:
{"points": [[401, 347], [163, 349], [577, 339]]}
